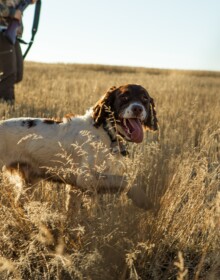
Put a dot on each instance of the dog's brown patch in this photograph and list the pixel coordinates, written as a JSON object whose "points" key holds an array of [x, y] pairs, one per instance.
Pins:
{"points": [[24, 169], [52, 121], [68, 117]]}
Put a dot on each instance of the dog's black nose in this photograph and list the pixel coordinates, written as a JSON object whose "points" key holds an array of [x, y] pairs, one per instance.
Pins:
{"points": [[137, 110]]}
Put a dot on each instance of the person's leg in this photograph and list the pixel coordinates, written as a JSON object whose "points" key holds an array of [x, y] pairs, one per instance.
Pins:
{"points": [[7, 69]]}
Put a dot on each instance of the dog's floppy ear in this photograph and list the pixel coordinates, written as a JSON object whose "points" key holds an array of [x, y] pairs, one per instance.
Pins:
{"points": [[103, 107], [151, 121]]}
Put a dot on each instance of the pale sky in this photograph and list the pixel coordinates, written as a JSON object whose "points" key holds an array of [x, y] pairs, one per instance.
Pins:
{"points": [[176, 34]]}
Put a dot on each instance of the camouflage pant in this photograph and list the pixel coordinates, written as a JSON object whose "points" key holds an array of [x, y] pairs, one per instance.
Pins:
{"points": [[11, 68]]}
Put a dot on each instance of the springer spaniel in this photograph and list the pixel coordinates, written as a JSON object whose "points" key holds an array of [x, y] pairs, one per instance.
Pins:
{"points": [[88, 151]]}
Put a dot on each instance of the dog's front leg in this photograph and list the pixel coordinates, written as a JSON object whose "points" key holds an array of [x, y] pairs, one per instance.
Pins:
{"points": [[102, 183], [107, 183]]}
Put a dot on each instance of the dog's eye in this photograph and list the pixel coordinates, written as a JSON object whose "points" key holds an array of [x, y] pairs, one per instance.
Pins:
{"points": [[145, 99], [124, 98]]}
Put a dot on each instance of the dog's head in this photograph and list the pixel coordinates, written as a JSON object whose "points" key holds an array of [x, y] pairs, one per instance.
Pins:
{"points": [[130, 108]]}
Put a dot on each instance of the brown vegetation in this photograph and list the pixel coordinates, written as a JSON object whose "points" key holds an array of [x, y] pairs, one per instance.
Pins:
{"points": [[46, 235]]}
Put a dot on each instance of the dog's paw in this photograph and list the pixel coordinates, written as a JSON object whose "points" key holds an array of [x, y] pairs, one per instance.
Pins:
{"points": [[138, 197]]}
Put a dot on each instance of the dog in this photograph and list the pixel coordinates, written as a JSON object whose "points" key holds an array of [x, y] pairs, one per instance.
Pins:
{"points": [[88, 151]]}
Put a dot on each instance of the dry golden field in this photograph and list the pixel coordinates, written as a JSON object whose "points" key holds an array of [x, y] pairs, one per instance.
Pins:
{"points": [[46, 236]]}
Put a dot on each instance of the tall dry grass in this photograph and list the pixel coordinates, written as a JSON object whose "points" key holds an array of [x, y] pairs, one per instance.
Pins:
{"points": [[55, 232]]}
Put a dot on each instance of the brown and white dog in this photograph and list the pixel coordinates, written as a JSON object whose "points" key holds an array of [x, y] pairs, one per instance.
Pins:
{"points": [[87, 151]]}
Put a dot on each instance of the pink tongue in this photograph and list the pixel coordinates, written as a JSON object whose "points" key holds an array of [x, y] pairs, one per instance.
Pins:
{"points": [[137, 134]]}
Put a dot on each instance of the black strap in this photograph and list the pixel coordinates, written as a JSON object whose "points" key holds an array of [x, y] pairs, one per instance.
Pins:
{"points": [[34, 27], [117, 144], [110, 130]]}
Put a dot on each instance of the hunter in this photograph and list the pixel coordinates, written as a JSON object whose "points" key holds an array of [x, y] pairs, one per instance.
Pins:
{"points": [[11, 60]]}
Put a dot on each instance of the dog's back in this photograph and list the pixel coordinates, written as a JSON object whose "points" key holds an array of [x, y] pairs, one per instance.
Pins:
{"points": [[32, 146]]}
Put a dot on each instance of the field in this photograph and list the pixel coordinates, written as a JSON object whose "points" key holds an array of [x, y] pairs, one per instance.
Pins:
{"points": [[45, 235]]}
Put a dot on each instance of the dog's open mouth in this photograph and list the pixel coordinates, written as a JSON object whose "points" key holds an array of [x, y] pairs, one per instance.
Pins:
{"points": [[133, 129]]}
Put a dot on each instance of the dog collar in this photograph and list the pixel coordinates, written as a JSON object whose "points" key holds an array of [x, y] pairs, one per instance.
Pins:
{"points": [[118, 145]]}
